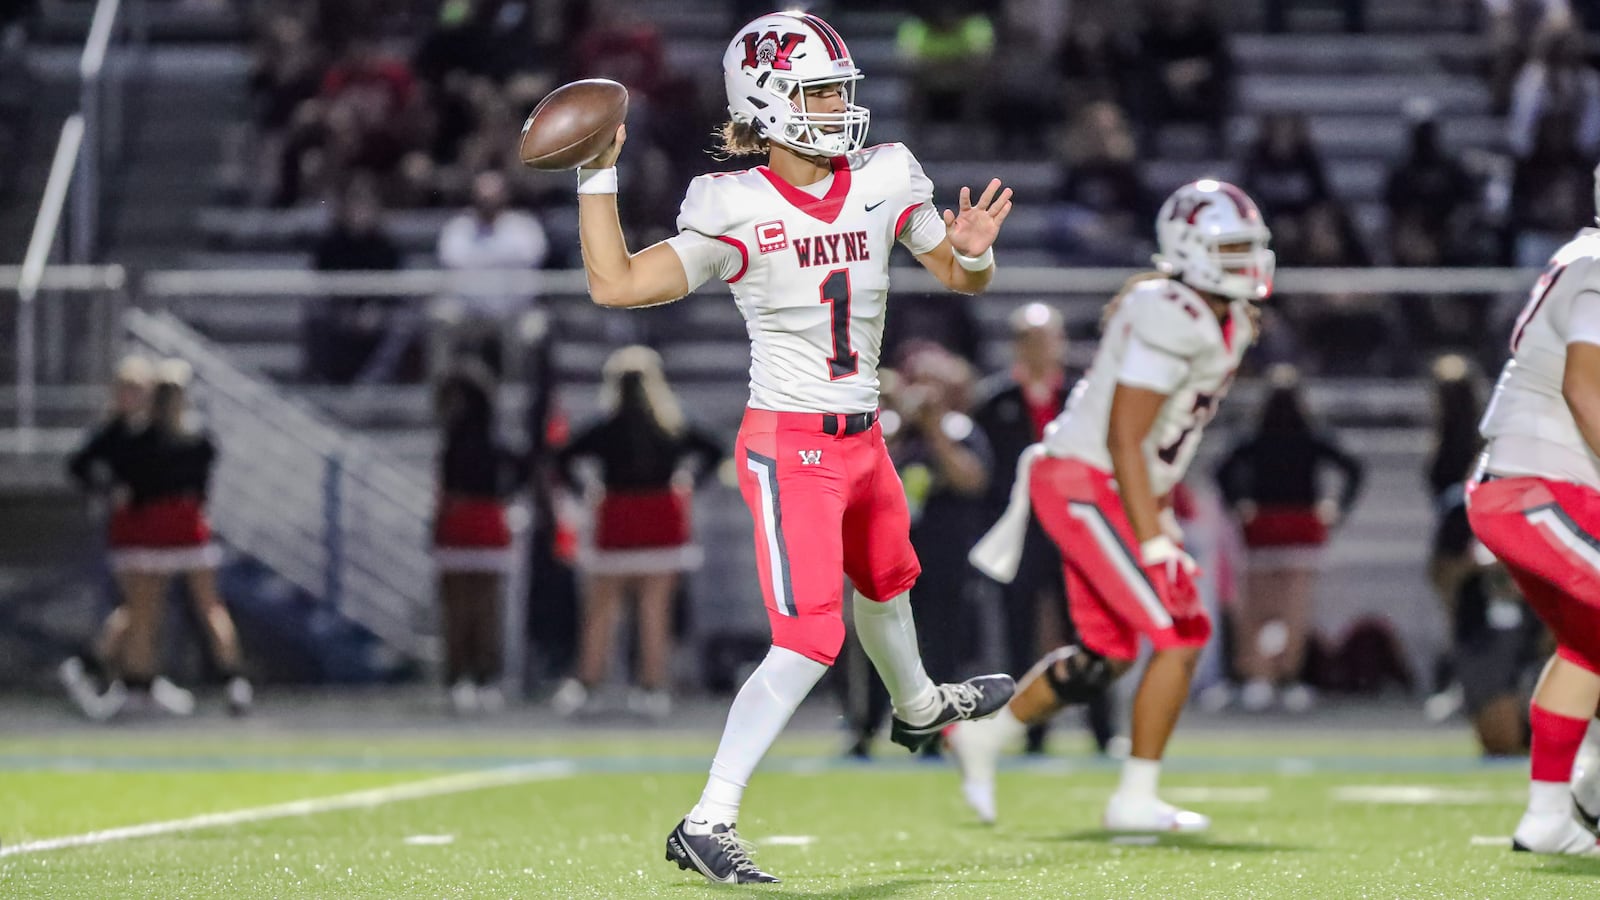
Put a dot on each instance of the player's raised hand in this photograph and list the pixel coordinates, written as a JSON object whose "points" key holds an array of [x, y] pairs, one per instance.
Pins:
{"points": [[973, 229], [608, 156]]}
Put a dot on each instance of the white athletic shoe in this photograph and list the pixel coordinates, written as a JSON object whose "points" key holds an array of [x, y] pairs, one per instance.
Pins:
{"points": [[1586, 782], [1149, 814], [80, 688], [570, 698], [491, 699], [1257, 696], [464, 697], [976, 746], [170, 698], [241, 695], [1554, 833], [1298, 699], [653, 705]]}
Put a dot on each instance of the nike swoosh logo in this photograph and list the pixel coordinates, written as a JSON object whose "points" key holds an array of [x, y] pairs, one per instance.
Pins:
{"points": [[873, 206]]}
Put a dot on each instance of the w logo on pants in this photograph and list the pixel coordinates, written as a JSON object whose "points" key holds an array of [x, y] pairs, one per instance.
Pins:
{"points": [[810, 457]]}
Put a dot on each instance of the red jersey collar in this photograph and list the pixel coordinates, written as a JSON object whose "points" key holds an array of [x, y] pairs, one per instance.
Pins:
{"points": [[825, 208]]}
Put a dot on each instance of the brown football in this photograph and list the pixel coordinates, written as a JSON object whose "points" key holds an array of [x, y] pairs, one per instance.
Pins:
{"points": [[573, 124]]}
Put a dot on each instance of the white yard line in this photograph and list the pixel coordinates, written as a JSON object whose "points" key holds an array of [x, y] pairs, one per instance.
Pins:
{"points": [[395, 793], [1491, 840], [1423, 795]]}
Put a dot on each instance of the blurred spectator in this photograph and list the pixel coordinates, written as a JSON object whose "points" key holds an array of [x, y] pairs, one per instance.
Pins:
{"points": [[1347, 333], [1018, 101], [486, 239], [648, 456], [1551, 193], [1104, 209], [1429, 189], [1496, 642], [1096, 62], [621, 44], [1284, 173], [344, 336], [1192, 67], [941, 50], [1272, 482], [495, 38], [362, 119], [944, 463], [1012, 412], [1556, 82], [472, 536], [1511, 26]]}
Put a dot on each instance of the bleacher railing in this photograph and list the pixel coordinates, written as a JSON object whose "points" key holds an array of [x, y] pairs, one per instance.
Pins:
{"points": [[327, 510]]}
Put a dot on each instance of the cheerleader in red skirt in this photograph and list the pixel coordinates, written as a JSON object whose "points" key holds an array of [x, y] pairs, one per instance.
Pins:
{"points": [[472, 538], [159, 471], [641, 544], [1272, 482]]}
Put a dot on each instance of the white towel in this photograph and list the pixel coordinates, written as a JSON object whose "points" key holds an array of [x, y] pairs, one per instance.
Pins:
{"points": [[999, 552]]}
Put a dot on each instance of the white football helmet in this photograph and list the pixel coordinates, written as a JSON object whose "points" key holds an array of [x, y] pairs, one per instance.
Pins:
{"points": [[1196, 222], [767, 69]]}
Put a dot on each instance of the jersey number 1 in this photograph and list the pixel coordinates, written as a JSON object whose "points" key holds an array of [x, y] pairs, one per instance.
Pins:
{"points": [[836, 293]]}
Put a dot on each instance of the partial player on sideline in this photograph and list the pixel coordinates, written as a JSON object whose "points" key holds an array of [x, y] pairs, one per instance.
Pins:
{"points": [[1535, 503], [804, 241], [1099, 483]]}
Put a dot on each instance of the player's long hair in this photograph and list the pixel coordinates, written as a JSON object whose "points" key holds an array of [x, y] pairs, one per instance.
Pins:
{"points": [[634, 389], [739, 139], [1127, 288], [169, 406]]}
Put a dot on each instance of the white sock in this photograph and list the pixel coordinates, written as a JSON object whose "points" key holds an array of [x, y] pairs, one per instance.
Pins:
{"points": [[1546, 797], [759, 712], [889, 635], [1007, 722], [1139, 777]]}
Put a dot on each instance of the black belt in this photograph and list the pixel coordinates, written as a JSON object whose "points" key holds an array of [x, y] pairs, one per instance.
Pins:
{"points": [[855, 423]]}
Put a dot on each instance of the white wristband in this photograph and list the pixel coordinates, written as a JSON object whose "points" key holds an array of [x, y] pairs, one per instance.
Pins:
{"points": [[597, 181], [975, 263]]}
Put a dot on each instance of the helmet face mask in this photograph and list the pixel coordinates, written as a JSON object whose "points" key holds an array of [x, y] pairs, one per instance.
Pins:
{"points": [[770, 67], [1212, 238]]}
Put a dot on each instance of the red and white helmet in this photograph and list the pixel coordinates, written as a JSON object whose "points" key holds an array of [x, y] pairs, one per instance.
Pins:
{"points": [[768, 67], [1196, 222]]}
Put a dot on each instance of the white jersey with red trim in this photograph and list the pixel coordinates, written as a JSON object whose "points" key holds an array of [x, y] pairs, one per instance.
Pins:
{"points": [[1529, 427], [809, 269], [1162, 336]]}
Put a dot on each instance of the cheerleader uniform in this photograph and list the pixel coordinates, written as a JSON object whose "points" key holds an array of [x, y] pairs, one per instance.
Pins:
{"points": [[642, 521], [1278, 473], [162, 528], [471, 532]]}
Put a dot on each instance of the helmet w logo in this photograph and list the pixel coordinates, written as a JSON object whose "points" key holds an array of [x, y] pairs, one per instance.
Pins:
{"points": [[770, 50], [1189, 209]]}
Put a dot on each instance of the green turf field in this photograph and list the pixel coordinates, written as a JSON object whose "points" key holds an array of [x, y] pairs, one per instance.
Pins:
{"points": [[1310, 817]]}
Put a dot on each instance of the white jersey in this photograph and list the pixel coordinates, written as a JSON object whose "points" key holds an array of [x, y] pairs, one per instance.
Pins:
{"points": [[1528, 425], [809, 269], [1164, 337]]}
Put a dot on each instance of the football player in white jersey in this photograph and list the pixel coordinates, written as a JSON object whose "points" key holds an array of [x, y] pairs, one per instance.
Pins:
{"points": [[1099, 481], [804, 241], [1535, 503]]}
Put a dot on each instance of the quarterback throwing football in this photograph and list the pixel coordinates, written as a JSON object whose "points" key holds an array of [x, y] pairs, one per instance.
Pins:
{"points": [[1172, 342], [804, 242]]}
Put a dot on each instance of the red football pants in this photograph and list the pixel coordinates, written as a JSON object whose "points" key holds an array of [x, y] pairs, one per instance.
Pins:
{"points": [[1111, 601], [1547, 533], [822, 505]]}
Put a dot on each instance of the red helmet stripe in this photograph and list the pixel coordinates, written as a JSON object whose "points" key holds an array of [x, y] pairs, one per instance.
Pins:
{"points": [[1241, 200], [830, 38]]}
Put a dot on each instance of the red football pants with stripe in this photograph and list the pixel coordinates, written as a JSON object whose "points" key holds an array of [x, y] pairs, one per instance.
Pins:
{"points": [[825, 507], [1547, 533], [1111, 600]]}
